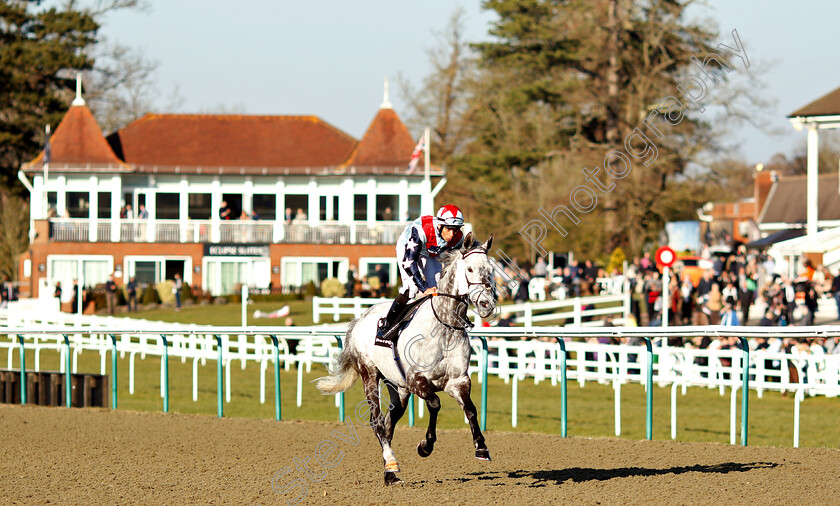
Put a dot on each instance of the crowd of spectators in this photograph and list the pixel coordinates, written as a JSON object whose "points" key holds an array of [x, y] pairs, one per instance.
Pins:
{"points": [[709, 289]]}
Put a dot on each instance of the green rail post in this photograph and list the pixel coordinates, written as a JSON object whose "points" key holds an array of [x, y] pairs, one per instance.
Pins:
{"points": [[67, 386], [484, 353], [411, 410], [220, 386], [22, 371], [114, 370], [745, 390], [341, 395], [564, 420], [165, 359], [649, 401], [277, 414]]}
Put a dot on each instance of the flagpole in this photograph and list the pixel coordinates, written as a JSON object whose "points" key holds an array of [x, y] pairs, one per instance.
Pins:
{"points": [[47, 156]]}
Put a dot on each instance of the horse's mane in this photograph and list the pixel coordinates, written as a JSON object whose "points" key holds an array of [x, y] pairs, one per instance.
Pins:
{"points": [[448, 259]]}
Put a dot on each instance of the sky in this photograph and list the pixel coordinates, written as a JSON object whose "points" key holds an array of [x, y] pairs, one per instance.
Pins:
{"points": [[329, 58]]}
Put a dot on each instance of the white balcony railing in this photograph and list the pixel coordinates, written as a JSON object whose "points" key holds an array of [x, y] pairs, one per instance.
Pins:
{"points": [[209, 231]]}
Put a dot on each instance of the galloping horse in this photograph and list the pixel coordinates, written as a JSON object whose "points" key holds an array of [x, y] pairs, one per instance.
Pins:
{"points": [[435, 356]]}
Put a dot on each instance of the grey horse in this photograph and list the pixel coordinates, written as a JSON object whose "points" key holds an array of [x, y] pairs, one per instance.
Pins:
{"points": [[432, 354]]}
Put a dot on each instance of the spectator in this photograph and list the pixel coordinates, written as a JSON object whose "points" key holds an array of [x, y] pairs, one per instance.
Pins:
{"points": [[714, 305], [143, 214], [9, 293], [388, 214], [129, 212], [350, 287], [383, 281], [540, 269], [224, 211], [729, 317], [57, 293], [177, 286], [244, 215], [835, 291], [131, 288], [288, 216], [300, 216], [111, 294], [76, 295], [811, 303], [255, 215]]}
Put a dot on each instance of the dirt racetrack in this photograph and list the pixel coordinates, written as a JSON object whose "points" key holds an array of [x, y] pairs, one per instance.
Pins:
{"points": [[95, 456]]}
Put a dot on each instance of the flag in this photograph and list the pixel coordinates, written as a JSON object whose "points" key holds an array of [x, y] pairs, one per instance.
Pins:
{"points": [[415, 156], [47, 149]]}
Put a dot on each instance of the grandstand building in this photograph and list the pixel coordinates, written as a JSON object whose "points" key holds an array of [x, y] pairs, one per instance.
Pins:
{"points": [[304, 200]]}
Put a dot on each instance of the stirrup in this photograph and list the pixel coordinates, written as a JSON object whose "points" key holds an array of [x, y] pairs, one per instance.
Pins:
{"points": [[381, 332]]}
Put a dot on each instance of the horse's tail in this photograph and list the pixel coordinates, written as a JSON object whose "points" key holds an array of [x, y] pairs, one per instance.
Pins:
{"points": [[342, 373]]}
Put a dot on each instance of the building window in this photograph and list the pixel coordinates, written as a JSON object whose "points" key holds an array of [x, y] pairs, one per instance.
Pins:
{"points": [[265, 206], [78, 205], [224, 275], [414, 208], [360, 207], [103, 201], [89, 270], [335, 208], [386, 207], [322, 208], [299, 271], [199, 206], [298, 204], [167, 206]]}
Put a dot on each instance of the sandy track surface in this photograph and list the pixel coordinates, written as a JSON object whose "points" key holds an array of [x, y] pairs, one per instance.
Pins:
{"points": [[95, 456]]}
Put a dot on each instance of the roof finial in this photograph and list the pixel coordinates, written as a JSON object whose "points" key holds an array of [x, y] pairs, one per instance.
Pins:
{"points": [[79, 100], [386, 104]]}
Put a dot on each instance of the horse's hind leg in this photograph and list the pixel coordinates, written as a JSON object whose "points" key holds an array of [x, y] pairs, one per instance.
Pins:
{"points": [[459, 389], [377, 422]]}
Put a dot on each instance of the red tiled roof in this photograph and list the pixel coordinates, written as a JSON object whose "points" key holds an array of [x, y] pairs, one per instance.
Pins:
{"points": [[386, 142], [231, 141], [78, 140]]}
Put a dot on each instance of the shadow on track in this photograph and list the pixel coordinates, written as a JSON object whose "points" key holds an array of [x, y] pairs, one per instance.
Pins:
{"points": [[581, 474]]}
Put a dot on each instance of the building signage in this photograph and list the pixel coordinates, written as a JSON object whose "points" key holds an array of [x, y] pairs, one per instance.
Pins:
{"points": [[236, 250]]}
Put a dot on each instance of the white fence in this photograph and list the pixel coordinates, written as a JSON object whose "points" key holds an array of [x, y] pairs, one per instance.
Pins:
{"points": [[577, 309], [510, 356]]}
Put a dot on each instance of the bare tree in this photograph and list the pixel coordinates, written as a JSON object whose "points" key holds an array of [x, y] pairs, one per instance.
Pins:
{"points": [[14, 227]]}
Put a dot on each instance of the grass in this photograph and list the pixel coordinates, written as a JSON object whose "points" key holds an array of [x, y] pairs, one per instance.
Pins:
{"points": [[703, 414]]}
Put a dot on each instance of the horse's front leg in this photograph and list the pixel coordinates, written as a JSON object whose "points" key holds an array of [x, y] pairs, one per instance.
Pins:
{"points": [[425, 391], [459, 389]]}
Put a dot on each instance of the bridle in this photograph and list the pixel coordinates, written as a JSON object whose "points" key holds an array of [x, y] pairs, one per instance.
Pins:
{"points": [[465, 298]]}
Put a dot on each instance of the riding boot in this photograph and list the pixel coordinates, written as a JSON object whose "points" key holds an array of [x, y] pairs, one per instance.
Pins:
{"points": [[388, 321]]}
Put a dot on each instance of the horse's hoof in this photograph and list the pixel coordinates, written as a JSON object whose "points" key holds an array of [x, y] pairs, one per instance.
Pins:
{"points": [[392, 467], [422, 451], [483, 454], [391, 479]]}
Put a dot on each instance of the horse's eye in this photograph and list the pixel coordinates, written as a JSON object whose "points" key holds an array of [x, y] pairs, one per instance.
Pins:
{"points": [[469, 269]]}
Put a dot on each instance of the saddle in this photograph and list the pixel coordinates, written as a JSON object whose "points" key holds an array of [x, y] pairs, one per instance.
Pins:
{"points": [[402, 321]]}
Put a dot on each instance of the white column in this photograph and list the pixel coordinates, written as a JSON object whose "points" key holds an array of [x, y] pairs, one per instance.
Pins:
{"points": [[402, 206], [38, 199], [151, 205], [248, 196], [93, 208], [371, 202], [812, 199], [184, 209], [116, 190], [61, 196], [345, 201], [313, 212], [215, 204], [279, 210]]}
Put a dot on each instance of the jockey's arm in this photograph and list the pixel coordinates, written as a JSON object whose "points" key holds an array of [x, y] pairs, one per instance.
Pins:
{"points": [[410, 260]]}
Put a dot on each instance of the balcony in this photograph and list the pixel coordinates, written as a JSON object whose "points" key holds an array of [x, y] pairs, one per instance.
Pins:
{"points": [[226, 232]]}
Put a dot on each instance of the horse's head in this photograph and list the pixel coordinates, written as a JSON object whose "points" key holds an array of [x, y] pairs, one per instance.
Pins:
{"points": [[472, 275]]}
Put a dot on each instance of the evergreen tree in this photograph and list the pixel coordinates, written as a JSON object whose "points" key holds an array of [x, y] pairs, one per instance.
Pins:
{"points": [[36, 45]]}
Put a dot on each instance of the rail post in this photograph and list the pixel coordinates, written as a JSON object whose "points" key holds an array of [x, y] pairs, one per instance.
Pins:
{"points": [[484, 353], [165, 366], [340, 395], [649, 400], [745, 390], [220, 386], [67, 386], [411, 410], [22, 371], [563, 392], [277, 414], [113, 371]]}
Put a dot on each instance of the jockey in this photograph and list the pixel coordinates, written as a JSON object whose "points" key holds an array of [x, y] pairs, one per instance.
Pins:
{"points": [[417, 250]]}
